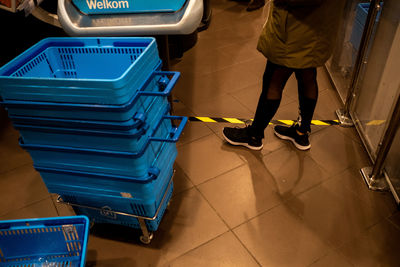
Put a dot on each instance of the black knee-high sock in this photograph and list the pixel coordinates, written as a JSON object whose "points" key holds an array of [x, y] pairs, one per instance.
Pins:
{"points": [[266, 109], [274, 80], [308, 95], [307, 107]]}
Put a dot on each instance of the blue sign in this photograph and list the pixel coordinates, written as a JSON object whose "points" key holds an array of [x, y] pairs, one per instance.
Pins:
{"points": [[127, 6]]}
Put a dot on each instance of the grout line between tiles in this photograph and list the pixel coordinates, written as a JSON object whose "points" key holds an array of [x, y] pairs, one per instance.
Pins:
{"points": [[392, 222], [203, 244], [196, 139], [26, 206], [248, 251], [215, 177], [13, 169]]}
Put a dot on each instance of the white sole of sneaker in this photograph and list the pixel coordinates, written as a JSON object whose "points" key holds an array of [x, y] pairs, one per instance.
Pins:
{"points": [[284, 137], [242, 144]]}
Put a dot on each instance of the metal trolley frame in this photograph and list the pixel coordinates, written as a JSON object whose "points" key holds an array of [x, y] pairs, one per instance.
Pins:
{"points": [[147, 235]]}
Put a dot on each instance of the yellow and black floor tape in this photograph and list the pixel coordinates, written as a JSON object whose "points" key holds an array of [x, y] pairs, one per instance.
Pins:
{"points": [[275, 122]]}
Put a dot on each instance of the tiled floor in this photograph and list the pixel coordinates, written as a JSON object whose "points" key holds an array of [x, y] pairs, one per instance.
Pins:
{"points": [[232, 206]]}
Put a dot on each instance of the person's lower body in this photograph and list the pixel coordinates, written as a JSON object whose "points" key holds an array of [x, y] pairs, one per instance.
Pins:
{"points": [[274, 81], [255, 4]]}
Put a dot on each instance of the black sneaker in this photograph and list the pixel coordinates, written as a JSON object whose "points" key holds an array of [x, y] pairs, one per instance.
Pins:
{"points": [[290, 133], [241, 137]]}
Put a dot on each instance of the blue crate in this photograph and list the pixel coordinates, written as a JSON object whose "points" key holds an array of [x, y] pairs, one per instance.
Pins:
{"points": [[108, 216], [92, 70], [131, 140], [356, 34], [138, 103], [137, 121], [362, 12], [59, 241], [138, 188], [139, 203], [359, 23], [107, 161]]}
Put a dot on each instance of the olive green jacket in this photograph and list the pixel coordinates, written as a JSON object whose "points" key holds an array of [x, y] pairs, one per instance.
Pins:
{"points": [[300, 33]]}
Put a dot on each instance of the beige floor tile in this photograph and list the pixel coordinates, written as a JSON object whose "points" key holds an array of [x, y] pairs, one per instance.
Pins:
{"points": [[188, 223], [217, 253], [242, 50], [327, 104], [111, 245], [11, 154], [249, 97], [336, 152], [332, 259], [280, 238], [195, 88], [351, 179], [192, 130], [323, 79], [40, 209], [293, 171], [232, 16], [395, 218], [350, 132], [245, 192], [218, 38], [379, 246], [289, 111], [21, 187], [203, 159], [225, 106], [204, 61], [257, 67], [337, 216], [181, 181]]}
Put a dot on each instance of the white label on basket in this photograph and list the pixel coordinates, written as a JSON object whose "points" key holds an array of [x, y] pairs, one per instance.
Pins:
{"points": [[127, 195], [107, 212]]}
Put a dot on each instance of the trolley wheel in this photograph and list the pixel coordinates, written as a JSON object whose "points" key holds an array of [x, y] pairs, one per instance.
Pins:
{"points": [[146, 240]]}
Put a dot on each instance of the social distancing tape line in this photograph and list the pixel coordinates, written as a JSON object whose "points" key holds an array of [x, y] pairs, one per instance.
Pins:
{"points": [[275, 122], [376, 122]]}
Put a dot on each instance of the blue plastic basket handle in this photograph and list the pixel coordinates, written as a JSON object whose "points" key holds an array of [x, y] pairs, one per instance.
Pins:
{"points": [[178, 130], [168, 89]]}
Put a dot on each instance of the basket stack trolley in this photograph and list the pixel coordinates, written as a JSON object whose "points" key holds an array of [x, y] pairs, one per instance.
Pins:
{"points": [[93, 113]]}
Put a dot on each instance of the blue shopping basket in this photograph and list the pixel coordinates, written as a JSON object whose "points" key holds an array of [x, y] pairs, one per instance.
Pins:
{"points": [[157, 85], [58, 241], [93, 70]]}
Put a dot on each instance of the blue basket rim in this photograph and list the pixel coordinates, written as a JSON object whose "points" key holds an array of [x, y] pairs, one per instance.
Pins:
{"points": [[51, 41], [81, 106]]}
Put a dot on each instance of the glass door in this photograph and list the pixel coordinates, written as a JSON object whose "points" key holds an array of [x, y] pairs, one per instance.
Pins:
{"points": [[378, 84], [341, 64]]}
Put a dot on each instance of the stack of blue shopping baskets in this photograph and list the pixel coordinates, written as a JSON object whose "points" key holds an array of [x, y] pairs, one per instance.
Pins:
{"points": [[93, 113]]}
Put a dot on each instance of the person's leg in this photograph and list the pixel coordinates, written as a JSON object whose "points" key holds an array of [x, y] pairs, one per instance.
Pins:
{"points": [[308, 95], [274, 80]]}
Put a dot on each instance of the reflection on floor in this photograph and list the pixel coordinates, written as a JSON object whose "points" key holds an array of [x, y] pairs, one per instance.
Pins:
{"points": [[232, 206]]}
